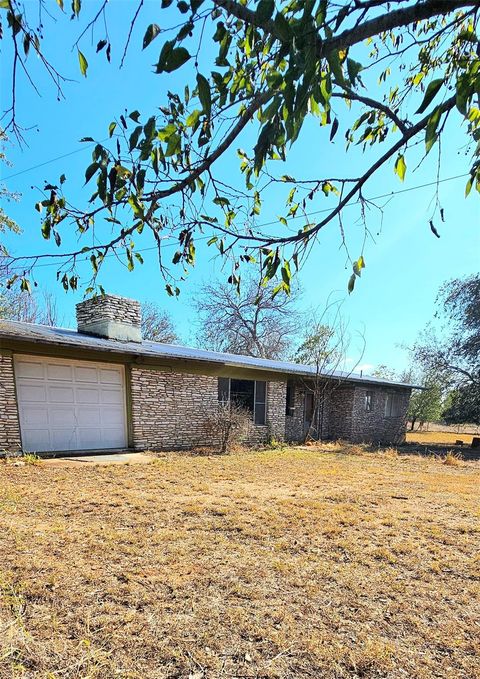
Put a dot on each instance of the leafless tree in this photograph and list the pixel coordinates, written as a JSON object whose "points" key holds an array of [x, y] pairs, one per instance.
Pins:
{"points": [[157, 325], [17, 305], [324, 346], [251, 322]]}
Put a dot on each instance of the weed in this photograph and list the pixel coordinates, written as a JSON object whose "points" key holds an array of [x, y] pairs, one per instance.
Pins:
{"points": [[452, 459]]}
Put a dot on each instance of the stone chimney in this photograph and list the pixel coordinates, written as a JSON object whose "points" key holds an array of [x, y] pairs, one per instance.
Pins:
{"points": [[110, 316]]}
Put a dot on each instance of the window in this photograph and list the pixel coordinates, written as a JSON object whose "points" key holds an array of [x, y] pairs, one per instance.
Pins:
{"points": [[393, 406], [249, 394], [290, 404], [368, 401]]}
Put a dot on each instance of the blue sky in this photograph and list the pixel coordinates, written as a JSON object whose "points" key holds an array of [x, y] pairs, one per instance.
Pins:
{"points": [[405, 265]]}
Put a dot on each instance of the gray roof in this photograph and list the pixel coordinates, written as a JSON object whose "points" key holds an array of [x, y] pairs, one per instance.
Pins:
{"points": [[65, 337]]}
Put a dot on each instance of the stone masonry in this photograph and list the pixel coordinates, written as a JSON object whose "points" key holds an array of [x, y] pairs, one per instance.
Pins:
{"points": [[344, 416], [108, 308], [375, 426], [169, 410], [9, 424]]}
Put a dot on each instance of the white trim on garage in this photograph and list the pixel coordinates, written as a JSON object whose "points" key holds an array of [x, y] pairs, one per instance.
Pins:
{"points": [[67, 404]]}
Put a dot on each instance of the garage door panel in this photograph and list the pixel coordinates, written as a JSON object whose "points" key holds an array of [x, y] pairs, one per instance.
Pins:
{"points": [[64, 439], [35, 416], [87, 416], [111, 438], [108, 376], [86, 374], [70, 405], [29, 369], [90, 437], [112, 416], [111, 397], [57, 371], [32, 393], [36, 439], [62, 417], [87, 395], [60, 394]]}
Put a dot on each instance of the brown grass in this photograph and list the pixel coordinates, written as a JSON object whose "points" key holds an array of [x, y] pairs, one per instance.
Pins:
{"points": [[292, 563], [438, 437]]}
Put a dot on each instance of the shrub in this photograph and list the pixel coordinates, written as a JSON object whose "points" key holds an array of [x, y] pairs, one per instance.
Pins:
{"points": [[228, 424]]}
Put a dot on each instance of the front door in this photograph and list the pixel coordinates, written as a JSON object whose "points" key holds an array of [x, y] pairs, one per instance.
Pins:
{"points": [[310, 427]]}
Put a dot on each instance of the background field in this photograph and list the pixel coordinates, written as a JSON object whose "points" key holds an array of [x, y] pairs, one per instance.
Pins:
{"points": [[441, 437], [329, 562]]}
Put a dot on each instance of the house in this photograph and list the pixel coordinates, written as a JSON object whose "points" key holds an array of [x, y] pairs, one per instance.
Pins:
{"points": [[102, 387]]}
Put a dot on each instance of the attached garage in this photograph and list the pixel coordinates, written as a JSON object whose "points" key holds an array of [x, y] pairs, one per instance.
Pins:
{"points": [[70, 405]]}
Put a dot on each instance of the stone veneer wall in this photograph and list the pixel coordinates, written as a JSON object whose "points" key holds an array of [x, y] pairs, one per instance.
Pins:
{"points": [[337, 415], [294, 422], [374, 426], [110, 308], [169, 410], [9, 423]]}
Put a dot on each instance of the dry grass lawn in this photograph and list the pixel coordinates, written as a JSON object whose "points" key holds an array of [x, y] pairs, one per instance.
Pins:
{"points": [[441, 437], [322, 563]]}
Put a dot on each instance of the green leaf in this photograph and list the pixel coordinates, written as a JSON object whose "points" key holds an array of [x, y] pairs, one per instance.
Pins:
{"points": [[468, 35], [176, 58], [468, 188], [464, 90], [351, 283], [76, 6], [353, 69], [135, 116], [431, 129], [282, 28], [46, 229], [183, 6], [430, 94], [223, 202], [334, 129], [38, 206], [111, 129], [400, 167], [62, 178], [60, 4], [90, 171], [150, 34], [83, 63], [134, 137], [265, 10], [204, 94]]}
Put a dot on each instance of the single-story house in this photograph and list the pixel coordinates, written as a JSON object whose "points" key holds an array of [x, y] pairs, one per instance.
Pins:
{"points": [[102, 387]]}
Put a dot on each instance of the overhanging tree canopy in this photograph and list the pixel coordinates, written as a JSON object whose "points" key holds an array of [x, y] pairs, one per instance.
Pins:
{"points": [[276, 65]]}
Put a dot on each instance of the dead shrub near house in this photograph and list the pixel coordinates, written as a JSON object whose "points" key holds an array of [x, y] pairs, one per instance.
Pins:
{"points": [[302, 563], [228, 424]]}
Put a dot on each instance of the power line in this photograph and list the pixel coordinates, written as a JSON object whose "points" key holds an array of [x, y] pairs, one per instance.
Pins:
{"points": [[52, 160], [308, 214]]}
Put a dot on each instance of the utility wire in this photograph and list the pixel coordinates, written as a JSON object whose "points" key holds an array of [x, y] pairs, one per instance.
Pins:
{"points": [[308, 214], [52, 160]]}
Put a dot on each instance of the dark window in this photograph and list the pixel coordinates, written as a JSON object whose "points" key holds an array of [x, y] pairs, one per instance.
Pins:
{"points": [[249, 394], [290, 405], [368, 401], [242, 392], [260, 402], [309, 403], [223, 389]]}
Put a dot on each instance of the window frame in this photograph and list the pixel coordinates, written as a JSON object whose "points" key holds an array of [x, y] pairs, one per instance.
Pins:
{"points": [[369, 401], [392, 405], [260, 401], [290, 400]]}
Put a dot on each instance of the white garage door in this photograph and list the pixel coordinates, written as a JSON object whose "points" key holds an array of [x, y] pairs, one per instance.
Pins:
{"points": [[70, 405]]}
